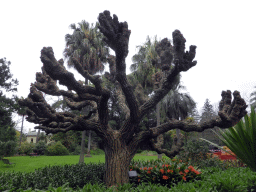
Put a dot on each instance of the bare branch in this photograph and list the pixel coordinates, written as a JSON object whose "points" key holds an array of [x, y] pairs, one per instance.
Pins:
{"points": [[230, 114], [117, 37], [176, 146], [58, 72], [183, 61]]}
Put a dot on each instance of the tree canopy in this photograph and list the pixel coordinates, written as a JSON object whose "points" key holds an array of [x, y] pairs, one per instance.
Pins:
{"points": [[7, 105], [120, 145]]}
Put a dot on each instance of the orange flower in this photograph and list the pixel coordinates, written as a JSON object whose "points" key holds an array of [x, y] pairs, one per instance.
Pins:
{"points": [[190, 167], [180, 173], [162, 171], [150, 168], [165, 177], [186, 171], [170, 171], [184, 178], [197, 172], [145, 168], [148, 172]]}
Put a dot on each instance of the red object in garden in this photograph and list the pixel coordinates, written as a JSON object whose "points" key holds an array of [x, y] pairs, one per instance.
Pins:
{"points": [[217, 153], [225, 157]]}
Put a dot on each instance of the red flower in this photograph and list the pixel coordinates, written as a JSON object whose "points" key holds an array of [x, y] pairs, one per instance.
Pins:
{"points": [[162, 171], [184, 178], [165, 177], [186, 171], [148, 172]]}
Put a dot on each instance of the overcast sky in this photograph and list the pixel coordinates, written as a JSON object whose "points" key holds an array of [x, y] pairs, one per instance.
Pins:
{"points": [[223, 31]]}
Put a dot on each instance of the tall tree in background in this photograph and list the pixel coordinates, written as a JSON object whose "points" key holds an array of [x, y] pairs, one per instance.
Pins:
{"points": [[208, 113], [144, 68], [120, 145], [86, 45], [7, 105], [253, 99], [177, 105]]}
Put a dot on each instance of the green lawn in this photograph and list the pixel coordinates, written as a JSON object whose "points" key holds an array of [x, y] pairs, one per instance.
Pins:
{"points": [[29, 164]]}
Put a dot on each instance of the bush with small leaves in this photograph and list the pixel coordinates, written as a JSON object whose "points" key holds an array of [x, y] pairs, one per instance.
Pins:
{"points": [[26, 148], [40, 148], [56, 149]]}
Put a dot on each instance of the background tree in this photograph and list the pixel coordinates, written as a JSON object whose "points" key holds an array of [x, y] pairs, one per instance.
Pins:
{"points": [[178, 105], [147, 71], [86, 45], [208, 113], [7, 105], [120, 145], [253, 99]]}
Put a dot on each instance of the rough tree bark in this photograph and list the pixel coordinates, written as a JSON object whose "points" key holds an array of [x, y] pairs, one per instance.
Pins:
{"points": [[81, 158], [121, 145]]}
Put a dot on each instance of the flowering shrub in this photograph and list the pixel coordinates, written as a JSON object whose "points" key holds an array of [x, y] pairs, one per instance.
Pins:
{"points": [[164, 172], [26, 148]]}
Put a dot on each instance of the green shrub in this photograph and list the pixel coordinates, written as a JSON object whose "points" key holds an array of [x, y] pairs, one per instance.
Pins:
{"points": [[8, 148], [56, 149], [139, 151], [26, 148], [40, 148], [195, 151], [76, 175], [77, 150], [97, 152]]}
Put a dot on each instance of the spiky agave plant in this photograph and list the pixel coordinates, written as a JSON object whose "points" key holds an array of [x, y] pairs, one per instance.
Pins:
{"points": [[241, 140]]}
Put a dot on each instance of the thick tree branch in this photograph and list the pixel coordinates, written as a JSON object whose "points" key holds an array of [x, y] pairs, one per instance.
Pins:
{"points": [[183, 61], [117, 37], [121, 101], [176, 146], [47, 85], [58, 72], [229, 115], [78, 105]]}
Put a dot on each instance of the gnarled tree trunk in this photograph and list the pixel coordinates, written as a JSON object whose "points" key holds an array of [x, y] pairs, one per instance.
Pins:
{"points": [[117, 161]]}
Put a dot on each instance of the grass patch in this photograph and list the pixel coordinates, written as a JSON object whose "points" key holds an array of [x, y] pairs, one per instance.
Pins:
{"points": [[29, 164]]}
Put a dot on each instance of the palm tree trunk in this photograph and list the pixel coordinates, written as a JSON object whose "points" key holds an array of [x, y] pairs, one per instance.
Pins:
{"points": [[81, 159], [178, 131], [37, 136], [159, 156], [89, 144], [21, 128]]}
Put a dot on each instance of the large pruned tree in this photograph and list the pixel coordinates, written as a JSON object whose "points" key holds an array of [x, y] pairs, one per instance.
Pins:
{"points": [[120, 145]]}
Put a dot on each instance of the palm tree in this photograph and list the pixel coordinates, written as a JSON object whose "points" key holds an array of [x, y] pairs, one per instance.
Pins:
{"points": [[146, 69], [253, 99], [86, 46], [178, 105]]}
